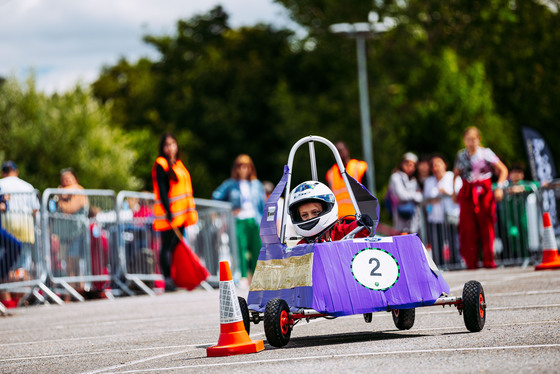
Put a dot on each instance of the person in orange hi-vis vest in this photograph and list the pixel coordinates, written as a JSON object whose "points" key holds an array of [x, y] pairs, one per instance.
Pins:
{"points": [[354, 168], [174, 207]]}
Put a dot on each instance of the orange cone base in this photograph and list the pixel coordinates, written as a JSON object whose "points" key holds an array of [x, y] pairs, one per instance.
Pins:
{"points": [[253, 346], [551, 260]]}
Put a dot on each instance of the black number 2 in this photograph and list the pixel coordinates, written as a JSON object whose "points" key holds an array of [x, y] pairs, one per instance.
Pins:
{"points": [[373, 273]]}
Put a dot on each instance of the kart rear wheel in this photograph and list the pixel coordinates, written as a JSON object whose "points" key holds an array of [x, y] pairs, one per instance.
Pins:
{"points": [[474, 306], [245, 314], [403, 318], [277, 323]]}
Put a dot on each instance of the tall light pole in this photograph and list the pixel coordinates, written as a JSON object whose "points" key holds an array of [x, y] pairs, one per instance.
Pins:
{"points": [[360, 31]]}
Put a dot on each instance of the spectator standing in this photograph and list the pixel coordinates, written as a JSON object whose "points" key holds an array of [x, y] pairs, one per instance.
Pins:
{"points": [[519, 201], [19, 205], [72, 229], [476, 165], [71, 203], [423, 171], [247, 195], [517, 182], [354, 168], [175, 207], [405, 195], [439, 205]]}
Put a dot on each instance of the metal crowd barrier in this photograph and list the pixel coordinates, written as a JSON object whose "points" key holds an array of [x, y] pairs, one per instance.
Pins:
{"points": [[79, 235], [440, 233], [212, 239], [138, 243], [73, 243], [518, 229], [22, 270], [89, 241]]}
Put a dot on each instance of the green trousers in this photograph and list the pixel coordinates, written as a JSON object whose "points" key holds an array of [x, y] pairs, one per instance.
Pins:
{"points": [[248, 244]]}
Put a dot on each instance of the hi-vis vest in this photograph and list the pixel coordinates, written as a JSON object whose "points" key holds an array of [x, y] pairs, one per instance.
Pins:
{"points": [[356, 169], [181, 200]]}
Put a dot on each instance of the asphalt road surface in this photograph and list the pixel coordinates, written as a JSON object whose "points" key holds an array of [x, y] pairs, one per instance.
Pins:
{"points": [[170, 333]]}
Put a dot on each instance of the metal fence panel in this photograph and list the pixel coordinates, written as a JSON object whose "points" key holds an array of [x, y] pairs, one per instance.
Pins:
{"points": [[22, 266], [212, 239], [440, 234], [79, 236], [518, 227]]}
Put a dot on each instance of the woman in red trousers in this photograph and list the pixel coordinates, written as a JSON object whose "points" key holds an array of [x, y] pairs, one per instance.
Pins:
{"points": [[476, 165]]}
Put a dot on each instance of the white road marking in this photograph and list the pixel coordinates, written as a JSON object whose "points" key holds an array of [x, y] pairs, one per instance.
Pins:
{"points": [[365, 354], [109, 368]]}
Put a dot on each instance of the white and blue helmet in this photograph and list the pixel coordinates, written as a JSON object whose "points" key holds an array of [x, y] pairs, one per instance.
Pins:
{"points": [[312, 191]]}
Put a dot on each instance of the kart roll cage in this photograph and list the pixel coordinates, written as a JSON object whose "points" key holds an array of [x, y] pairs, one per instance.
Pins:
{"points": [[362, 200]]}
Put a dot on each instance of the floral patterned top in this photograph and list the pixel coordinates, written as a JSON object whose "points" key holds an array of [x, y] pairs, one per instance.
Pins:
{"points": [[477, 167]]}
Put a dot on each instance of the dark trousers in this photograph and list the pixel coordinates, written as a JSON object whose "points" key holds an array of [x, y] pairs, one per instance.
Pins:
{"points": [[169, 241]]}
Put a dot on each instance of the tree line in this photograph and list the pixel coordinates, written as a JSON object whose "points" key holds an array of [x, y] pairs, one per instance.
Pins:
{"points": [[257, 90]]}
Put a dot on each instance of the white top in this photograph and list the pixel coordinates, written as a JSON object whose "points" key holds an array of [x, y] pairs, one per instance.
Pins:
{"points": [[403, 189], [478, 166], [22, 195], [442, 190], [247, 209]]}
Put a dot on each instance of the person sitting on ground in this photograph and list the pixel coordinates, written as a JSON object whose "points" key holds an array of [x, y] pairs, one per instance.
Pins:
{"points": [[314, 213]]}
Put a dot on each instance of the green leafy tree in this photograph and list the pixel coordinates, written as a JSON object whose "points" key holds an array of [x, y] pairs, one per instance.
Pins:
{"points": [[44, 134], [256, 90]]}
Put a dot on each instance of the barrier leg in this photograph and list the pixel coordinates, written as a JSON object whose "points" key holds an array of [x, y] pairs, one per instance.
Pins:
{"points": [[72, 291], [50, 294], [143, 286], [206, 286]]}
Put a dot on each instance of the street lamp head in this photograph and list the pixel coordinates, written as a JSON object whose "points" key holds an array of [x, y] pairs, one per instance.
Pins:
{"points": [[351, 29], [362, 28], [341, 28]]}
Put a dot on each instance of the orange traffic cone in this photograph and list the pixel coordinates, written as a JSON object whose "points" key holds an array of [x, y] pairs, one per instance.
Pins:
{"points": [[550, 259], [233, 339]]}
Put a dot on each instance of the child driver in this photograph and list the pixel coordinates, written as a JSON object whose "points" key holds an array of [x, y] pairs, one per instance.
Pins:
{"points": [[314, 213]]}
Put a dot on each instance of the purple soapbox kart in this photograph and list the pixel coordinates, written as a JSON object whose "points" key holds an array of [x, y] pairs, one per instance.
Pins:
{"points": [[351, 276]]}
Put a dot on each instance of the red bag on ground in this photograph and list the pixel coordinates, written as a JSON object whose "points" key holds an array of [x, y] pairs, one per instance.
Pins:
{"points": [[186, 269]]}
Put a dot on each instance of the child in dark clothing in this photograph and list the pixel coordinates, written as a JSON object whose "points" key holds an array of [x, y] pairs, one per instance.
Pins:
{"points": [[314, 213]]}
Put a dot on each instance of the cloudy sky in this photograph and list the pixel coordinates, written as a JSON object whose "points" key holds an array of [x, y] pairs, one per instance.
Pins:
{"points": [[68, 41]]}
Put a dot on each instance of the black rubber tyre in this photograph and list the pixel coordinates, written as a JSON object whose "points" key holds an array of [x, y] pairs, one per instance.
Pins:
{"points": [[245, 314], [474, 306], [403, 318], [368, 317], [277, 324]]}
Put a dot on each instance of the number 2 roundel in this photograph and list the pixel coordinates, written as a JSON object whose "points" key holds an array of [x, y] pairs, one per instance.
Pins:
{"points": [[375, 269]]}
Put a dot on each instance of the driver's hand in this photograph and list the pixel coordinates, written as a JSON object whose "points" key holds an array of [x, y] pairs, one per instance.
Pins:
{"points": [[365, 220]]}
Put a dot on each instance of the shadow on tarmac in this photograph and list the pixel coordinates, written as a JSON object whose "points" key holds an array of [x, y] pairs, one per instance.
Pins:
{"points": [[355, 337]]}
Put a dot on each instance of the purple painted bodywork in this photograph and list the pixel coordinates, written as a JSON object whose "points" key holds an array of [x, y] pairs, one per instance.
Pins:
{"points": [[334, 289]]}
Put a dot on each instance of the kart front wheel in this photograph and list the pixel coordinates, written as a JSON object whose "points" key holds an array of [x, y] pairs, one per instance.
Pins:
{"points": [[474, 306], [277, 323], [403, 318], [245, 314]]}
